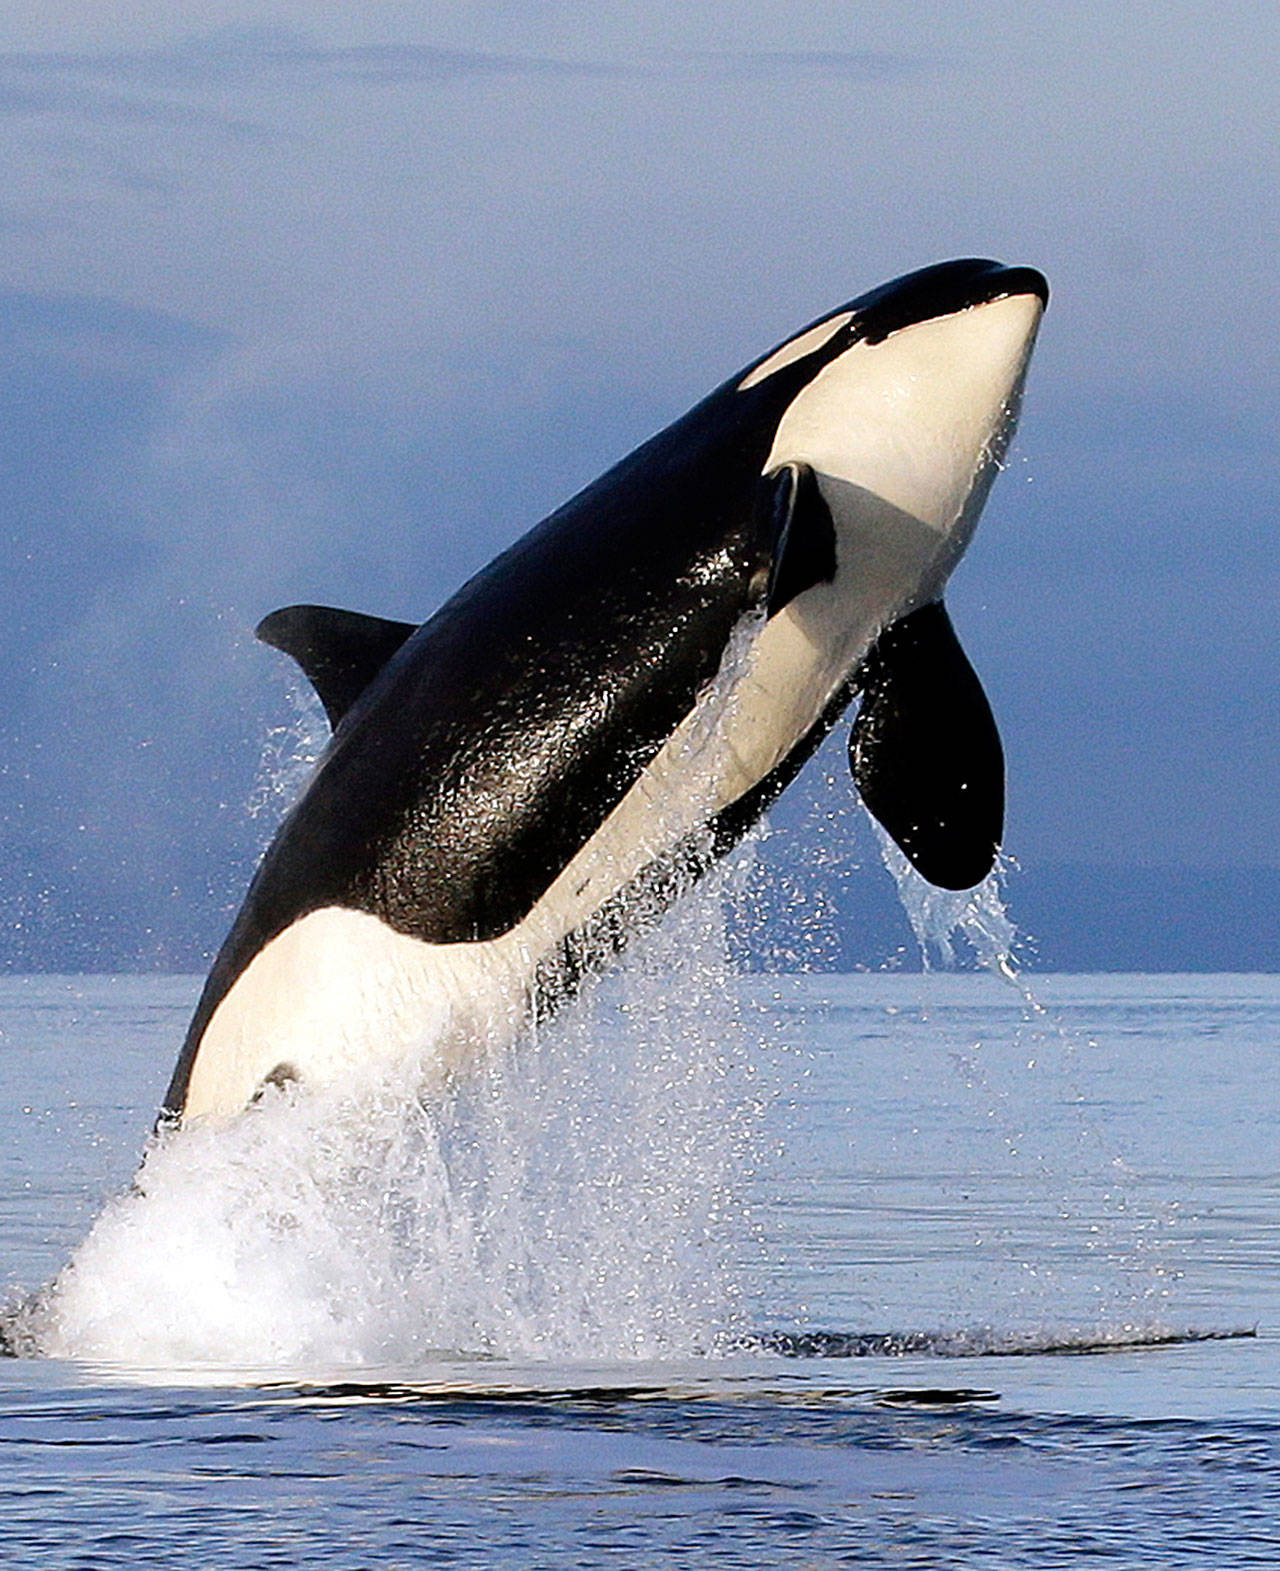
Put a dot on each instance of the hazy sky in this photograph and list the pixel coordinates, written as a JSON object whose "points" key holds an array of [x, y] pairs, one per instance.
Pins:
{"points": [[330, 302]]}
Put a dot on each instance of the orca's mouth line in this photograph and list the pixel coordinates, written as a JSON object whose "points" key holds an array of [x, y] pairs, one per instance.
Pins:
{"points": [[943, 290]]}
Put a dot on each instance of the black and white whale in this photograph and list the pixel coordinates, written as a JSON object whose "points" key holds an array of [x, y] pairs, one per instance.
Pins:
{"points": [[517, 784]]}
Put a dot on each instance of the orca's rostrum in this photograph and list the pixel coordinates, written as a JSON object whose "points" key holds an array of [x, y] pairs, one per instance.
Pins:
{"points": [[514, 786]]}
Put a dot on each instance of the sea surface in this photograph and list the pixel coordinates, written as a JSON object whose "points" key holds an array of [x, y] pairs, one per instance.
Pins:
{"points": [[881, 1270]]}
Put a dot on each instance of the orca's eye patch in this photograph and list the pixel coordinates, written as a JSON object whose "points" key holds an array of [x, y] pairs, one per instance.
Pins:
{"points": [[806, 343]]}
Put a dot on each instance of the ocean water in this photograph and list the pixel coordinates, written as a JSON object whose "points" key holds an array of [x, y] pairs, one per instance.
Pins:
{"points": [[883, 1269]]}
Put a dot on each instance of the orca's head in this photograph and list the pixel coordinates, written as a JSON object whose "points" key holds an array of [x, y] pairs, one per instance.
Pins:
{"points": [[903, 401]]}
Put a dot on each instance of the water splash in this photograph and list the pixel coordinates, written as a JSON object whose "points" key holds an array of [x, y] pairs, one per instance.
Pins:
{"points": [[939, 917], [793, 905], [290, 751], [574, 1198]]}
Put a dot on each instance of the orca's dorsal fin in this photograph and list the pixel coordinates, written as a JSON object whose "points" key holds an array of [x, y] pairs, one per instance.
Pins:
{"points": [[340, 652], [925, 751], [798, 534]]}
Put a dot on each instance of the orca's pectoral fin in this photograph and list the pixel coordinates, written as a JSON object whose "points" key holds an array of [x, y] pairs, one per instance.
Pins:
{"points": [[925, 752], [340, 652], [797, 535]]}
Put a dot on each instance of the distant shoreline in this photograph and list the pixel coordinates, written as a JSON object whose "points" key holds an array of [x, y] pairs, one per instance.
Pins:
{"points": [[1072, 917]]}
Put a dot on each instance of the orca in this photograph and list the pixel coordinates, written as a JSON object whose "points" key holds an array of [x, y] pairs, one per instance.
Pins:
{"points": [[516, 786]]}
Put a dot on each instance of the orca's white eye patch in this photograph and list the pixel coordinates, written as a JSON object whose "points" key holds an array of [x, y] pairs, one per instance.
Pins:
{"points": [[812, 338]]}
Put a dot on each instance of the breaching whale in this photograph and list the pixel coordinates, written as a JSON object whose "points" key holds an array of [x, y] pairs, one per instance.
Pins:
{"points": [[514, 786]]}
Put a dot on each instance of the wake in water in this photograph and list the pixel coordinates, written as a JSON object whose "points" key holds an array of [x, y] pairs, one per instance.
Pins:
{"points": [[983, 1343]]}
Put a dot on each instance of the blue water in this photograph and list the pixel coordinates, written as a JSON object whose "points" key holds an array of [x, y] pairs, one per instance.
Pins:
{"points": [[1033, 1196]]}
